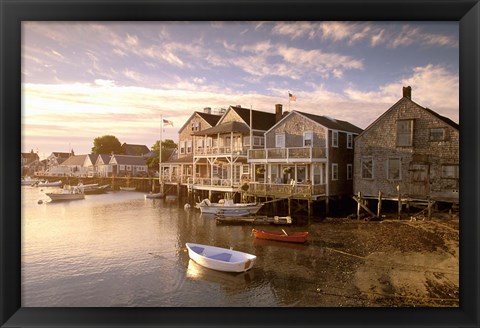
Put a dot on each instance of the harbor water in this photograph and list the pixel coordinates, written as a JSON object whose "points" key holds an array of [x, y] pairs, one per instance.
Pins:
{"points": [[121, 250]]}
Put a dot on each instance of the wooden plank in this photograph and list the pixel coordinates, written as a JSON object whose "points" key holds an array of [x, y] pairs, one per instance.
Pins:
{"points": [[364, 207]]}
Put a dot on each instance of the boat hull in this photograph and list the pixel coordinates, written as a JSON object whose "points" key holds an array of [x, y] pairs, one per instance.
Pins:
{"points": [[292, 237], [220, 259], [231, 210], [154, 195], [128, 188], [49, 184], [64, 197]]}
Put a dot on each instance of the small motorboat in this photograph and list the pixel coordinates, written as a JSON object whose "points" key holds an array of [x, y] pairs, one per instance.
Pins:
{"points": [[93, 189], [221, 259], [154, 195], [228, 208], [67, 193], [48, 183], [253, 220], [292, 237]]}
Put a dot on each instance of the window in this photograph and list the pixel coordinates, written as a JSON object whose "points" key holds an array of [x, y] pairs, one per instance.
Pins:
{"points": [[258, 141], [199, 143], [450, 171], [394, 169], [334, 138], [129, 168], [308, 138], [349, 140], [246, 141], [367, 168], [437, 134], [349, 171], [195, 126], [316, 174], [280, 140], [189, 146], [405, 133], [334, 171], [209, 142], [182, 147]]}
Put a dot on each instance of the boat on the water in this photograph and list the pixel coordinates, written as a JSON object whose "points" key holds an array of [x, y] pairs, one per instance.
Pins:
{"points": [[128, 188], [292, 237], [48, 183], [221, 259], [93, 188], [154, 195], [28, 181], [228, 208], [67, 193], [254, 220]]}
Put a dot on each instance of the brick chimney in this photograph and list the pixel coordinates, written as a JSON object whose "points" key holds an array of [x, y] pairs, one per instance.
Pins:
{"points": [[407, 92], [278, 112]]}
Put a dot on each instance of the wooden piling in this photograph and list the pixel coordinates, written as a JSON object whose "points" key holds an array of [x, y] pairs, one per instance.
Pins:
{"points": [[359, 206], [379, 205], [399, 203]]}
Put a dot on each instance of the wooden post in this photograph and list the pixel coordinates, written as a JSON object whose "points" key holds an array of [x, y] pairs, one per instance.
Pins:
{"points": [[379, 206], [289, 206], [359, 206], [399, 202], [429, 209]]}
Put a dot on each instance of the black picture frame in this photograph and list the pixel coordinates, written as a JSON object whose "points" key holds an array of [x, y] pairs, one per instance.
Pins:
{"points": [[13, 12]]}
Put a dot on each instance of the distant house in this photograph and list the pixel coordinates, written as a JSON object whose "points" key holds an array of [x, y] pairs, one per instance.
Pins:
{"points": [[128, 166], [102, 166], [313, 153], [72, 166], [135, 150], [30, 163], [411, 148], [57, 158], [179, 164]]}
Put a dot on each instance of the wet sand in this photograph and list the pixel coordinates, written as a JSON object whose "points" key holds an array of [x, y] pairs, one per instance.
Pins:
{"points": [[388, 263]]}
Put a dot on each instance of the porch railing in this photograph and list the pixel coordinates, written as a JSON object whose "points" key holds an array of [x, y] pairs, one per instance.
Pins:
{"points": [[220, 151], [285, 154], [285, 190]]}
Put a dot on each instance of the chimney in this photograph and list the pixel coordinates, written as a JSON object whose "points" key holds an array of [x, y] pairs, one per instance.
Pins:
{"points": [[207, 110], [278, 112], [407, 92]]}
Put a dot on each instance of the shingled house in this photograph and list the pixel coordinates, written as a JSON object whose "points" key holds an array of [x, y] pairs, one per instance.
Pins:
{"points": [[410, 150]]}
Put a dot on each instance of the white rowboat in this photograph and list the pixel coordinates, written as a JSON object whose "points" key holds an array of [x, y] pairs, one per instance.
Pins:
{"points": [[67, 193], [229, 208], [221, 259]]}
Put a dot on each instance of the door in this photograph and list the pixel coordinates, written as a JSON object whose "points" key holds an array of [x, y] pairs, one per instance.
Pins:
{"points": [[419, 180]]}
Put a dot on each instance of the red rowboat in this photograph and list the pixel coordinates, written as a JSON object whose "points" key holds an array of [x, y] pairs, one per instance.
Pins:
{"points": [[293, 237]]}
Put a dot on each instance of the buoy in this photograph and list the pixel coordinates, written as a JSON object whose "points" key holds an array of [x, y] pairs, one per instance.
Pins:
{"points": [[186, 206], [40, 202]]}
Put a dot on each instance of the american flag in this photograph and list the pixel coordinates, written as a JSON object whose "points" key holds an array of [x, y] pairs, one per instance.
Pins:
{"points": [[291, 97], [167, 122]]}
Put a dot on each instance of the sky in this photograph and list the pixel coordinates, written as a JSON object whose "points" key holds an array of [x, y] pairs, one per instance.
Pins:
{"points": [[83, 80]]}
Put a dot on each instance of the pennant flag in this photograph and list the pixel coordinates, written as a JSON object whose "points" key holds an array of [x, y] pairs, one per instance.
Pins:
{"points": [[167, 122], [291, 97]]}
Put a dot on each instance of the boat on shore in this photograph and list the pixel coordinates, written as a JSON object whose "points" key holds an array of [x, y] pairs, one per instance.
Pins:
{"points": [[292, 237], [254, 220], [67, 193], [28, 181], [228, 208], [220, 259]]}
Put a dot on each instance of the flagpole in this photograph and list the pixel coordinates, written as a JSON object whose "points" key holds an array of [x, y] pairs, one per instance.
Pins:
{"points": [[160, 151]]}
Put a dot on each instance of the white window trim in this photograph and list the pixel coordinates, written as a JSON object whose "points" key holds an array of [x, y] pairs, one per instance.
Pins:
{"points": [[334, 169], [284, 140], [349, 140], [334, 140]]}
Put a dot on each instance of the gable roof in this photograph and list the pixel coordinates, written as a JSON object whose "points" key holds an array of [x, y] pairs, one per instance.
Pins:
{"points": [[105, 158], [211, 119], [134, 150], [428, 110], [260, 120], [332, 123], [75, 160], [128, 160]]}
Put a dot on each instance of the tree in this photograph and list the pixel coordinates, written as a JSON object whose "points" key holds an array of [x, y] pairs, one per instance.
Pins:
{"points": [[106, 145], [167, 144]]}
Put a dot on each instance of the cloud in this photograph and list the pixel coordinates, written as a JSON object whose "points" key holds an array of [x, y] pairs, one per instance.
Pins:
{"points": [[375, 34]]}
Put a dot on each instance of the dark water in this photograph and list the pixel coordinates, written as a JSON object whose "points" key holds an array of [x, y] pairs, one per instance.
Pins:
{"points": [[119, 249]]}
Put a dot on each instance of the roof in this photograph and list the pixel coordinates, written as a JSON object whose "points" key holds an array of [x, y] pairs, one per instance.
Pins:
{"points": [[93, 157], [61, 154], [211, 119], [129, 160], [332, 123], [134, 150], [187, 160], [225, 128], [260, 120], [104, 157], [443, 118], [75, 160]]}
